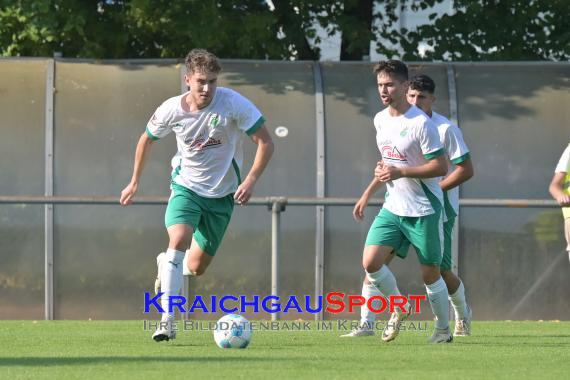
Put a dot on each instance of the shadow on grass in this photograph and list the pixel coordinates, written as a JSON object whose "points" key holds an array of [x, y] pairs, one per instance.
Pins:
{"points": [[91, 360], [514, 340]]}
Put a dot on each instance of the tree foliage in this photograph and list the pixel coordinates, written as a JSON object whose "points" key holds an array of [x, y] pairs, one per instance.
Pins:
{"points": [[158, 28], [506, 30], [283, 29]]}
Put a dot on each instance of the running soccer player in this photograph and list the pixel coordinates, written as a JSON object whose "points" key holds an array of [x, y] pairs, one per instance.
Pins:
{"points": [[421, 94], [209, 123], [412, 160]]}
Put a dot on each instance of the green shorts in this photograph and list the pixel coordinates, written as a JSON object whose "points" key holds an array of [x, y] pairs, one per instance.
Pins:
{"points": [[425, 233], [209, 217], [447, 239]]}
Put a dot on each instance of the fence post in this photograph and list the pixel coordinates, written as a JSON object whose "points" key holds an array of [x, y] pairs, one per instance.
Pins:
{"points": [[276, 206], [321, 172], [48, 191], [453, 116]]}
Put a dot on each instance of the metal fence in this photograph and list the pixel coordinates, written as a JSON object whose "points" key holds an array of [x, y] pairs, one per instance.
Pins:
{"points": [[70, 127]]}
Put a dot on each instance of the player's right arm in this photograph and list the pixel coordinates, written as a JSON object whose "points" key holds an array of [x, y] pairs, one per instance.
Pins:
{"points": [[159, 125], [556, 189], [140, 157], [358, 211]]}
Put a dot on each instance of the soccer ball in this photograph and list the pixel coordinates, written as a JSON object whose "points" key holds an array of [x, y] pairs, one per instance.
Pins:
{"points": [[232, 331]]}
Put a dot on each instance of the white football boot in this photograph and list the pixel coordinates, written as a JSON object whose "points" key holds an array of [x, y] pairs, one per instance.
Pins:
{"points": [[463, 326], [164, 332], [363, 330], [391, 331], [441, 336]]}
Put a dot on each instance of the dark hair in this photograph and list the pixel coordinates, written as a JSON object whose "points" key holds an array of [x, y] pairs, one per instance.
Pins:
{"points": [[392, 67], [422, 83], [200, 60]]}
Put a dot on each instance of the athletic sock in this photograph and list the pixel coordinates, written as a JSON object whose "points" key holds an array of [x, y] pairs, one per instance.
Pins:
{"points": [[437, 295], [367, 316], [385, 282], [185, 270], [458, 302], [171, 280]]}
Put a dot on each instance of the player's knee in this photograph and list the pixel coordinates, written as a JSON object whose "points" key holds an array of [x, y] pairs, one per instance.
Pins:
{"points": [[430, 274], [179, 237], [179, 241], [370, 266], [449, 276], [196, 268]]}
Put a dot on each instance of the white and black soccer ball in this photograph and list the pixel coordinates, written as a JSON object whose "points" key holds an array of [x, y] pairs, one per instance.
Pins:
{"points": [[233, 331]]}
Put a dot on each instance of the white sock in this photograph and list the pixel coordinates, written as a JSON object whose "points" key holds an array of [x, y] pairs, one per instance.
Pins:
{"points": [[185, 270], [437, 295], [367, 316], [458, 302], [385, 281], [170, 280]]}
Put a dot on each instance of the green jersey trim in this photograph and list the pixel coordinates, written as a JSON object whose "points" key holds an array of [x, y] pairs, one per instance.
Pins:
{"points": [[449, 211], [461, 159], [176, 172], [150, 135], [433, 200], [255, 126], [432, 155], [236, 168]]}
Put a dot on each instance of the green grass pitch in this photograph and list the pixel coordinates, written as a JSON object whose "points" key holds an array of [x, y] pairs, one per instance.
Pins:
{"points": [[122, 350]]}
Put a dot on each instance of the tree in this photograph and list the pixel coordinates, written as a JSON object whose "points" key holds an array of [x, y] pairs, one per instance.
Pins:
{"points": [[284, 29], [506, 30], [158, 28], [74, 27]]}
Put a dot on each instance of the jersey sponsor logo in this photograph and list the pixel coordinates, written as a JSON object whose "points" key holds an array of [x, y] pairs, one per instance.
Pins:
{"points": [[203, 144], [203, 141], [389, 152]]}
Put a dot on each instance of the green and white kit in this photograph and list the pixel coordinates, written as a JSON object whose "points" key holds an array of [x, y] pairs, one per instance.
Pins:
{"points": [[412, 212], [209, 140], [206, 168]]}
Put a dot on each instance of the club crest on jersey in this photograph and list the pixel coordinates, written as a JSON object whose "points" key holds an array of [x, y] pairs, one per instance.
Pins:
{"points": [[389, 152], [214, 120], [404, 132]]}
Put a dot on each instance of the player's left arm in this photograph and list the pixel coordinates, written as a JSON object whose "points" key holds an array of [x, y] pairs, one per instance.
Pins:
{"points": [[462, 172], [435, 167], [265, 149], [459, 155]]}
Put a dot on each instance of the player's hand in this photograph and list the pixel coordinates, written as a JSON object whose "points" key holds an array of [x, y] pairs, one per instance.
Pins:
{"points": [[385, 173], [358, 211], [378, 169], [244, 191], [128, 193], [563, 200]]}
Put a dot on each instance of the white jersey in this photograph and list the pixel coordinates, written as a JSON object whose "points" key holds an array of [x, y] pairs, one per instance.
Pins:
{"points": [[209, 140], [457, 152], [409, 140]]}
